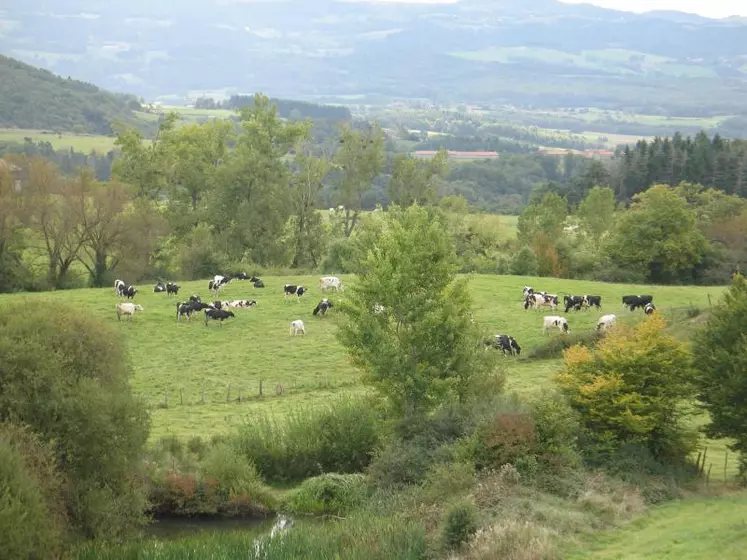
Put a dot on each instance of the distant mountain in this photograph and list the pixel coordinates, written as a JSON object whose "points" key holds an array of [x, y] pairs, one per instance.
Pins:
{"points": [[530, 53], [34, 98]]}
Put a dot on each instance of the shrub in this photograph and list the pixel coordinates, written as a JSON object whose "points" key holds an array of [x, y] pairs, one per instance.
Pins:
{"points": [[66, 375], [443, 481], [632, 389], [460, 523], [235, 476], [513, 540], [557, 427], [332, 494], [340, 437], [400, 463], [32, 521], [505, 438]]}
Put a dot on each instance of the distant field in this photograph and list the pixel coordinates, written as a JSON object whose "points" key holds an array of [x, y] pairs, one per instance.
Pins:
{"points": [[179, 360], [79, 142], [696, 529]]}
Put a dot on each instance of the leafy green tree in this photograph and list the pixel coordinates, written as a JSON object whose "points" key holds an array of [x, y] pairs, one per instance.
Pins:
{"points": [[416, 181], [658, 236], [66, 375], [595, 213], [308, 180], [250, 205], [540, 226], [10, 225], [720, 360], [407, 320], [147, 166], [631, 389], [359, 160]]}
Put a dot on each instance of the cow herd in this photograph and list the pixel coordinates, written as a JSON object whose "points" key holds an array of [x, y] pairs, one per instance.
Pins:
{"points": [[223, 310], [537, 300]]}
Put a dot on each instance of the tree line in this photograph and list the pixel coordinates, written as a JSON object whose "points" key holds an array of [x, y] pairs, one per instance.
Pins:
{"points": [[287, 109]]}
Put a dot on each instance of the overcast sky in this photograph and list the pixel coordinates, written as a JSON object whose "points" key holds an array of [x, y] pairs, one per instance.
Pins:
{"points": [[707, 8]]}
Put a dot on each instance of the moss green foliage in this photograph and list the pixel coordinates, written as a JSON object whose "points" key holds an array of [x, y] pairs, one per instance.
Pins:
{"points": [[66, 375], [35, 98], [421, 348], [632, 389], [32, 516], [720, 359], [333, 494], [340, 437]]}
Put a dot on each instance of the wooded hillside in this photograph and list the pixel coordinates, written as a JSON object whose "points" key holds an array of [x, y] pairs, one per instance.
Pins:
{"points": [[37, 99]]}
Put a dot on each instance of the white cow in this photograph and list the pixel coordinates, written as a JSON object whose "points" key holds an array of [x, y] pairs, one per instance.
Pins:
{"points": [[606, 322], [556, 321], [297, 327], [327, 282], [128, 309]]}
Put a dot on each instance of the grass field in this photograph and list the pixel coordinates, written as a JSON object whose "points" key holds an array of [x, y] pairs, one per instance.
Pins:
{"points": [[85, 143], [175, 362], [694, 529]]}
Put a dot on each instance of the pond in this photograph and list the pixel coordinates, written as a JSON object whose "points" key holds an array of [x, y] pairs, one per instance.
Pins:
{"points": [[179, 527]]}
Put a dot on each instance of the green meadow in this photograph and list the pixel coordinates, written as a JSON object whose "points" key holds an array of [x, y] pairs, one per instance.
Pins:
{"points": [[205, 380]]}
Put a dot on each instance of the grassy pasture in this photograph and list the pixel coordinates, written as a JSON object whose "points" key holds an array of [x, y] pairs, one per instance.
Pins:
{"points": [[85, 143], [175, 361], [687, 530]]}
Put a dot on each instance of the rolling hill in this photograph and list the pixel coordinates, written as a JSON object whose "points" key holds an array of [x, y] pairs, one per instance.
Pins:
{"points": [[32, 98], [543, 53]]}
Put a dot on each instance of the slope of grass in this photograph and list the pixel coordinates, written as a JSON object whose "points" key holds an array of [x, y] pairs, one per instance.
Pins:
{"points": [[178, 364], [85, 143], [694, 529]]}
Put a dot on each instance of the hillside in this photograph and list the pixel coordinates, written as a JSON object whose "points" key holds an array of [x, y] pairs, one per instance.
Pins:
{"points": [[32, 98], [541, 54]]}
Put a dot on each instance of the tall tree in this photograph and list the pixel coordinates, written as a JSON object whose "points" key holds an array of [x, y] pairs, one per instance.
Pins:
{"points": [[146, 165], [251, 204], [308, 180], [541, 227], [720, 359], [595, 213], [416, 181], [407, 320], [657, 236], [10, 222], [360, 159]]}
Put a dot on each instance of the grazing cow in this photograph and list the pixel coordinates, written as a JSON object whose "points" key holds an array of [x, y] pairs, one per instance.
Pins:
{"points": [[195, 299], [327, 282], [258, 283], [240, 276], [218, 304], [574, 302], [557, 322], [118, 285], [291, 290], [159, 288], [536, 301], [172, 289], [506, 343], [634, 302], [528, 291], [217, 283], [322, 307], [127, 309], [594, 301], [606, 322], [297, 327], [217, 315], [189, 308], [649, 309], [128, 291]]}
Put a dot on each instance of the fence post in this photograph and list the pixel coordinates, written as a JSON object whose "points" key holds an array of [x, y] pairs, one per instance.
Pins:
{"points": [[260, 387], [239, 395], [726, 462], [708, 476], [709, 301]]}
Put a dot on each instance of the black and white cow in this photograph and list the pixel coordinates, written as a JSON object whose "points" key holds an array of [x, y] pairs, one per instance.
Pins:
{"points": [[594, 301], [633, 302], [258, 283], [556, 321], [128, 291], [649, 309], [188, 308], [118, 285], [159, 288], [172, 289], [537, 301], [217, 315], [240, 275], [322, 307], [242, 303], [292, 290], [195, 299], [217, 283], [506, 343], [574, 302]]}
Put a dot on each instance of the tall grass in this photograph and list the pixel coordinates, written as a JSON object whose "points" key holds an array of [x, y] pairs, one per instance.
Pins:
{"points": [[340, 437]]}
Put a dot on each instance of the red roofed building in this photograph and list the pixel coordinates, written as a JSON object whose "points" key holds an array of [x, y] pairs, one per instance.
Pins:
{"points": [[454, 155]]}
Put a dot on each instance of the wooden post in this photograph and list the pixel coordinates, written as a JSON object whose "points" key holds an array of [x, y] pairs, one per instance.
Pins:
{"points": [[228, 393], [708, 476], [260, 387], [181, 395], [239, 395], [705, 452], [726, 462], [709, 301], [698, 469]]}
